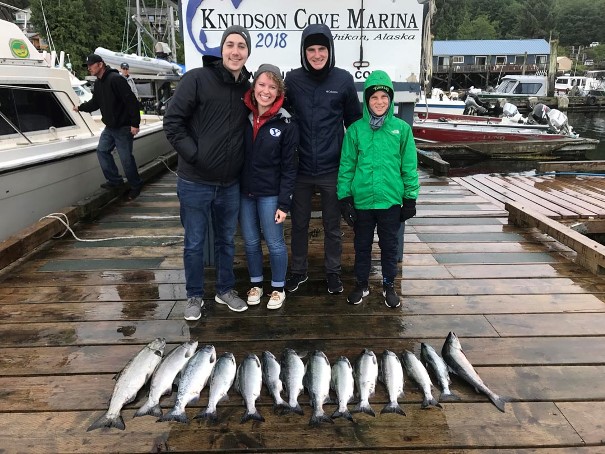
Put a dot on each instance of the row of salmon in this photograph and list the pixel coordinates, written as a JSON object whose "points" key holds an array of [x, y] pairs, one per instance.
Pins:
{"points": [[197, 368]]}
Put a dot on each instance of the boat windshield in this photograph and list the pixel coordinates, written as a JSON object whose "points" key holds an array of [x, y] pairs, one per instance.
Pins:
{"points": [[31, 110], [506, 86]]}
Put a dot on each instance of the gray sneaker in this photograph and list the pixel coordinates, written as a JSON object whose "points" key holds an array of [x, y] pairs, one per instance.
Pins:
{"points": [[233, 302], [193, 311]]}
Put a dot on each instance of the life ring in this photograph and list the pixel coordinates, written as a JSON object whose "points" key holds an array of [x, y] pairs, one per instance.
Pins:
{"points": [[591, 100]]}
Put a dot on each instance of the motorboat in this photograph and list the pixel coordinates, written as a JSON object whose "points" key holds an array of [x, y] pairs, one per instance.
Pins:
{"points": [[138, 64], [438, 104], [544, 134], [48, 155]]}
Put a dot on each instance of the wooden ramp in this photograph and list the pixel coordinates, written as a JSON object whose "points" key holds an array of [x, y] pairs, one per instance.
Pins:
{"points": [[530, 320]]}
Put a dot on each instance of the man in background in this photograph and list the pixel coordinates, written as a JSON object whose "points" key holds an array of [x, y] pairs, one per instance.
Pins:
{"points": [[120, 114], [125, 67]]}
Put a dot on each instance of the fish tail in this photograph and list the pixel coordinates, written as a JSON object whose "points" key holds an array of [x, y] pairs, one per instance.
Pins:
{"points": [[448, 397], [499, 401], [106, 421], [210, 415], [364, 407], [343, 414], [393, 407], [317, 419], [175, 415], [255, 416], [148, 409], [426, 402], [296, 408]]}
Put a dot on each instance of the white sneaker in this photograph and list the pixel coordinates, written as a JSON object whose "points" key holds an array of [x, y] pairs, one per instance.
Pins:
{"points": [[277, 300], [254, 295]]}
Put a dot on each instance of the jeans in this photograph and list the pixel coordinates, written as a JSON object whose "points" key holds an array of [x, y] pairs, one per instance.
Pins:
{"points": [[121, 139], [301, 215], [387, 225], [200, 205], [256, 214]]}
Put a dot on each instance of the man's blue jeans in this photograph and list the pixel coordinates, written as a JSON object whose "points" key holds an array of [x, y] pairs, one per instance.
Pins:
{"points": [[121, 139], [258, 214], [200, 205]]}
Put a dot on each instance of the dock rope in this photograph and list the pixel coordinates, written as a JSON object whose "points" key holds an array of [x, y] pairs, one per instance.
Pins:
{"points": [[163, 160], [63, 219], [580, 174]]}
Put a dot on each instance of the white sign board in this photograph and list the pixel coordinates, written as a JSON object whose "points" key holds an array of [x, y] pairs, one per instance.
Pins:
{"points": [[385, 34]]}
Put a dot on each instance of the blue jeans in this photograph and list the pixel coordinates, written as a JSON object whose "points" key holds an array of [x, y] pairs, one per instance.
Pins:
{"points": [[200, 205], [387, 225], [258, 214], [121, 139]]}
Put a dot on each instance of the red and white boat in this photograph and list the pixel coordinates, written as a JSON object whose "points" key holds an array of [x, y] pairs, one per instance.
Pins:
{"points": [[471, 137]]}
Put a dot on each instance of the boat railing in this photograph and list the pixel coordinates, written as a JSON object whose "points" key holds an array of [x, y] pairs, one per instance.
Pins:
{"points": [[49, 90]]}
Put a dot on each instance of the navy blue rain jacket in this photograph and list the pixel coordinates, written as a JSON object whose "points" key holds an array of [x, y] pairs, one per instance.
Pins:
{"points": [[271, 159], [322, 108]]}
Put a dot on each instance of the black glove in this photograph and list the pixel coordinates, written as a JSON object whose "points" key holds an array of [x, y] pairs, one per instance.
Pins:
{"points": [[348, 210], [408, 210]]}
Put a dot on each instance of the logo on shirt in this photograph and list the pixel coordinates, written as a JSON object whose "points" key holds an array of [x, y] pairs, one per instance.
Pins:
{"points": [[332, 92], [396, 131], [275, 132]]}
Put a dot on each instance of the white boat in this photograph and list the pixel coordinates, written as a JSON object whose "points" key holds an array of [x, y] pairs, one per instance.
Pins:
{"points": [[48, 155], [138, 64], [438, 104]]}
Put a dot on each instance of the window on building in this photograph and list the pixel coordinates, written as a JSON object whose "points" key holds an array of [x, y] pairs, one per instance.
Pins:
{"points": [[31, 110], [519, 59], [481, 61], [443, 61], [458, 59], [501, 60], [541, 59]]}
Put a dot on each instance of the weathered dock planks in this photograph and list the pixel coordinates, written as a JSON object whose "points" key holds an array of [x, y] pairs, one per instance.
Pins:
{"points": [[530, 319]]}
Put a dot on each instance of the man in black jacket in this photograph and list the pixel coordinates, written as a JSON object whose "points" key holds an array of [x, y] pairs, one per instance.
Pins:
{"points": [[324, 101], [205, 123], [120, 114]]}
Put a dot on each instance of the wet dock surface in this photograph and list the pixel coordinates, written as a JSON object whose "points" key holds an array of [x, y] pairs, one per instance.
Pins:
{"points": [[530, 320]]}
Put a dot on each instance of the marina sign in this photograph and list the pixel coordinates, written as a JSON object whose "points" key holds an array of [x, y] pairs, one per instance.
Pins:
{"points": [[375, 34]]}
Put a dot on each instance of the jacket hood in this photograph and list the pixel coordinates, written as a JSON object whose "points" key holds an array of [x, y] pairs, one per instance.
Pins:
{"points": [[315, 29], [377, 77]]}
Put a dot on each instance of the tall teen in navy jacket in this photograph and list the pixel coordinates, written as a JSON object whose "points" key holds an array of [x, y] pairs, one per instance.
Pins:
{"points": [[267, 182]]}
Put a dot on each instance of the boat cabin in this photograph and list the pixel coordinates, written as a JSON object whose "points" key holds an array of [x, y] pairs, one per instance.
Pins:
{"points": [[564, 84], [522, 86]]}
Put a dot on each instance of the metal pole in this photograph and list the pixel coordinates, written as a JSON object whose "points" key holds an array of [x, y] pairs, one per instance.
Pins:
{"points": [[172, 34], [138, 29]]}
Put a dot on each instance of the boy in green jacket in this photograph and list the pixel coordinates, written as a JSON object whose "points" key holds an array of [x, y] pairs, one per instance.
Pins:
{"points": [[377, 184]]}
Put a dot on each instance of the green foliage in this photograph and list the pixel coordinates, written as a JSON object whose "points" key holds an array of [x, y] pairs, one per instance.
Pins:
{"points": [[478, 28]]}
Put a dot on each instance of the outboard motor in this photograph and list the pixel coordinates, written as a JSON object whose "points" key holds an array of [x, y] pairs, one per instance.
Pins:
{"points": [[473, 106], [511, 111], [539, 116], [558, 123]]}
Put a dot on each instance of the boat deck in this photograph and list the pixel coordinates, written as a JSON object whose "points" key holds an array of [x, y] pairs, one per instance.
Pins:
{"points": [[530, 320]]}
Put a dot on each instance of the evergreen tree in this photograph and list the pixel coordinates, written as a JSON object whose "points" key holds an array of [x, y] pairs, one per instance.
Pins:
{"points": [[538, 19], [477, 28]]}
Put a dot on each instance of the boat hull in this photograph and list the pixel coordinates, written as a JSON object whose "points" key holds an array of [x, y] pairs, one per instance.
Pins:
{"points": [[37, 188]]}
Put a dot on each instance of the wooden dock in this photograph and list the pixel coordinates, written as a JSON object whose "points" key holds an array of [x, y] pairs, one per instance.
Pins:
{"points": [[530, 319]]}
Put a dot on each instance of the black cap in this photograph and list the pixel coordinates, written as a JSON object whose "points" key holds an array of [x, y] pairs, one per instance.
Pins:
{"points": [[92, 59], [317, 39], [374, 88], [238, 30], [124, 66]]}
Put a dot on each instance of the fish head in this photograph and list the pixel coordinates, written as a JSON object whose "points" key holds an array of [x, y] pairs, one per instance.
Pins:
{"points": [[453, 341], [158, 345], [267, 355], [190, 348], [210, 350]]}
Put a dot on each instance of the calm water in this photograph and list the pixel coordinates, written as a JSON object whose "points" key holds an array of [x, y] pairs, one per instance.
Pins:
{"points": [[590, 124]]}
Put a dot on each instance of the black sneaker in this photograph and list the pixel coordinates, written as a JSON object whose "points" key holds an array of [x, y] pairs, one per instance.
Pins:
{"points": [[109, 185], [359, 292], [334, 283], [294, 281], [391, 299], [134, 193]]}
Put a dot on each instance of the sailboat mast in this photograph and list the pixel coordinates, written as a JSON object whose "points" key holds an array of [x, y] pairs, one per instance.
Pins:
{"points": [[138, 28]]}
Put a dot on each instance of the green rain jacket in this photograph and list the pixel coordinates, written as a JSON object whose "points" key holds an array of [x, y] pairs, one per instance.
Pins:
{"points": [[378, 168]]}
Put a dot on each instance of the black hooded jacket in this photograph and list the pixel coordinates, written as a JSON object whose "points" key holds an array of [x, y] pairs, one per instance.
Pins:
{"points": [[113, 96], [205, 122], [322, 108]]}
